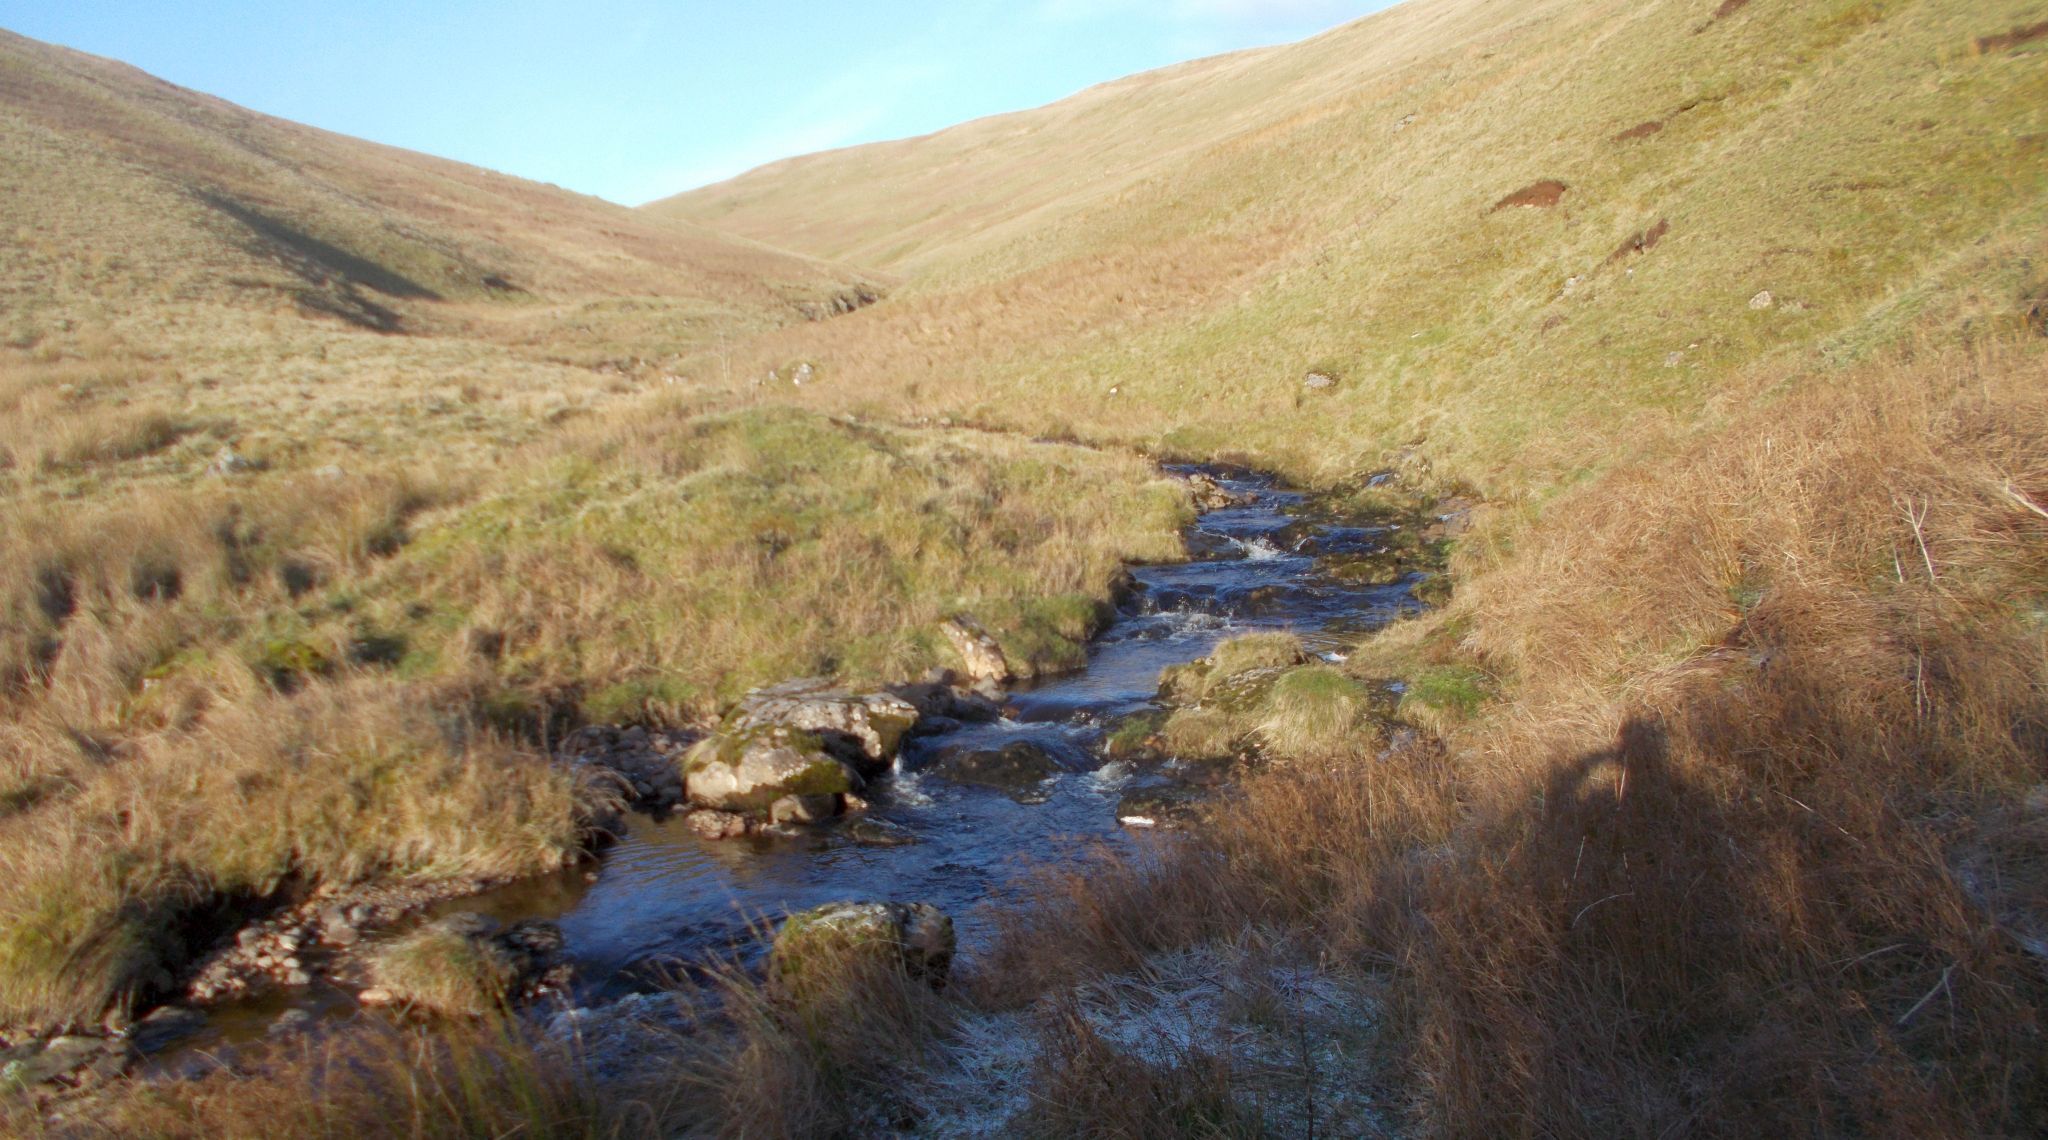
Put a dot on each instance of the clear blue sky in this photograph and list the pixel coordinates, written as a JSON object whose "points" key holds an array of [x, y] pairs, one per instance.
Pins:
{"points": [[637, 99]]}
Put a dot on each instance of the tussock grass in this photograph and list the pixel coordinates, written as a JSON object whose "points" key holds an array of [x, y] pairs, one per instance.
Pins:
{"points": [[1246, 652], [663, 563], [222, 691], [1747, 843], [1316, 713], [126, 869], [457, 1083], [442, 969]]}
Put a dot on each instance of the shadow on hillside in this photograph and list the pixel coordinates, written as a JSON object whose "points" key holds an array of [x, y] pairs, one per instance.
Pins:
{"points": [[336, 275], [1715, 926]]}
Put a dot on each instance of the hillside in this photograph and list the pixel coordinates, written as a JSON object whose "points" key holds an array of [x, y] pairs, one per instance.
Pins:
{"points": [[195, 275], [1679, 370], [120, 185], [1163, 261]]}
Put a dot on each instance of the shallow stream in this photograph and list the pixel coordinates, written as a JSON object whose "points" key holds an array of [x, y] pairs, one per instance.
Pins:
{"points": [[663, 899]]}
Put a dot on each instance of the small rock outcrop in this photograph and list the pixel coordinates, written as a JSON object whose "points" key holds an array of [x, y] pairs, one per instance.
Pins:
{"points": [[863, 730], [467, 964], [1210, 495], [978, 650], [71, 1061], [644, 762], [748, 770], [817, 952]]}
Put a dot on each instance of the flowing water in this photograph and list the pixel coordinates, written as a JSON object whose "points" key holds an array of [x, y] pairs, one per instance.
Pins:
{"points": [[663, 898], [664, 895]]}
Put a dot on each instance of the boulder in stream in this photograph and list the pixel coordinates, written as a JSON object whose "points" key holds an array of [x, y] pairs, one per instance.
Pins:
{"points": [[748, 770], [1210, 495], [1017, 768], [864, 730], [820, 954]]}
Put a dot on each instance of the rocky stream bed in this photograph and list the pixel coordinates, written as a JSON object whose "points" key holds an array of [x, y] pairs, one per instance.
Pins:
{"points": [[944, 792]]}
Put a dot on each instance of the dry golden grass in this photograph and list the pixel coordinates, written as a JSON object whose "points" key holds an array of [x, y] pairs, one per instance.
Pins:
{"points": [[1279, 212], [1749, 849], [1740, 696], [222, 691]]}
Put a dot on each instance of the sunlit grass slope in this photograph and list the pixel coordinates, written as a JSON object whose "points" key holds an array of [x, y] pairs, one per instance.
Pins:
{"points": [[1876, 168], [215, 695], [336, 480]]}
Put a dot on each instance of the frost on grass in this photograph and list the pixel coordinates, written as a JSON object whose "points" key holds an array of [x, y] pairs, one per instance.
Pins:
{"points": [[1296, 1048]]}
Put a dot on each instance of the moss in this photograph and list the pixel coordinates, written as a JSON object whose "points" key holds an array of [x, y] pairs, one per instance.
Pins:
{"points": [[825, 777], [1445, 694], [1135, 736], [1316, 712], [286, 662]]}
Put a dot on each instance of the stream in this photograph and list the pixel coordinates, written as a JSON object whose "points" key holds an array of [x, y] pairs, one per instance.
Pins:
{"points": [[663, 900]]}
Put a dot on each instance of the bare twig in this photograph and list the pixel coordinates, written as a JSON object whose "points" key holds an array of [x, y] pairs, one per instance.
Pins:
{"points": [[1928, 997], [1594, 903], [2020, 497], [1916, 517]]}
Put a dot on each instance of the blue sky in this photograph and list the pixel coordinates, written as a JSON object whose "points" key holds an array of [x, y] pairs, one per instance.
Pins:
{"points": [[637, 99]]}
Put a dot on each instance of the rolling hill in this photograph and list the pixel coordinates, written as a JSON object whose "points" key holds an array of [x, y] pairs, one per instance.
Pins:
{"points": [[1163, 260], [118, 184], [1700, 344]]}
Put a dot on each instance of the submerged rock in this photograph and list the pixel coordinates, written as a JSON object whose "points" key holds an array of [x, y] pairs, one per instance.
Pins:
{"points": [[1018, 768], [817, 952], [880, 833], [712, 824]]}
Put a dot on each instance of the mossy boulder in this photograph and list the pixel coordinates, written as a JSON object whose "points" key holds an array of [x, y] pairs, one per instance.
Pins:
{"points": [[864, 730], [1364, 569], [1242, 694], [1136, 737], [748, 770], [820, 956], [466, 965]]}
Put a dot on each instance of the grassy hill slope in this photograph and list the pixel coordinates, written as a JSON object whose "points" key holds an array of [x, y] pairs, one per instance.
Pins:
{"points": [[120, 184], [1873, 167], [1724, 815], [335, 479]]}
